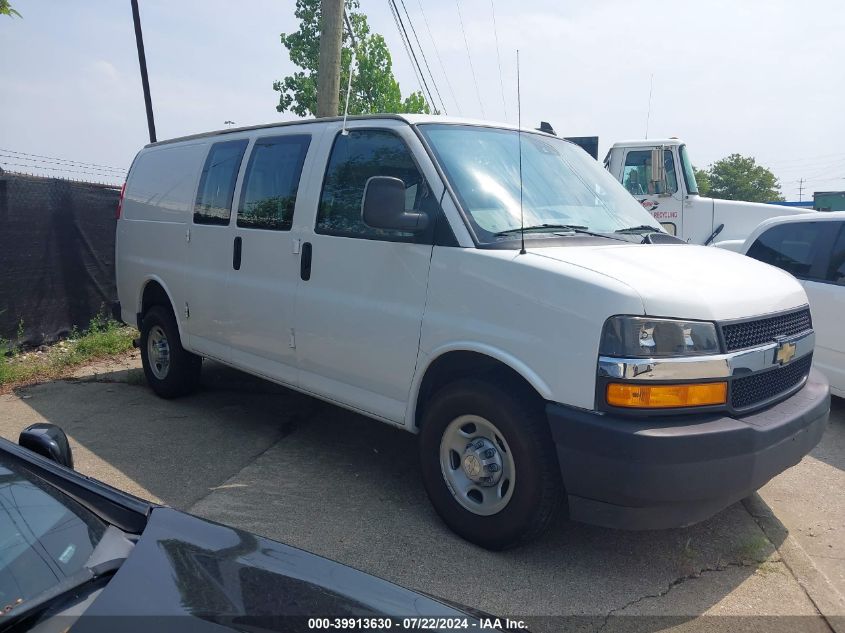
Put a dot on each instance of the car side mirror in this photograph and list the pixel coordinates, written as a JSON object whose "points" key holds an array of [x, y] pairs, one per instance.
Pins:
{"points": [[49, 441], [383, 206]]}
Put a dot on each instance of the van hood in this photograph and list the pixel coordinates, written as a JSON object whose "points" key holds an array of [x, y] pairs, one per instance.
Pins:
{"points": [[687, 281]]}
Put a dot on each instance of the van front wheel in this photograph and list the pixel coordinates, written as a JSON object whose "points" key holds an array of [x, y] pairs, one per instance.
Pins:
{"points": [[489, 464], [170, 370]]}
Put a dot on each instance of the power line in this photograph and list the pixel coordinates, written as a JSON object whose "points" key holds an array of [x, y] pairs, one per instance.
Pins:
{"points": [[469, 57], [403, 36], [440, 61], [499, 59], [814, 166], [422, 53], [109, 172], [72, 171], [64, 160], [416, 63], [801, 159]]}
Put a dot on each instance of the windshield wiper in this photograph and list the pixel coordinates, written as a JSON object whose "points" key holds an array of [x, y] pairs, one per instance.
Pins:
{"points": [[555, 228], [65, 588], [638, 229], [545, 227]]}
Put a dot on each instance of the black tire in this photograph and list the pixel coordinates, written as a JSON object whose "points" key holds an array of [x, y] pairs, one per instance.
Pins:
{"points": [[181, 375], [518, 414]]}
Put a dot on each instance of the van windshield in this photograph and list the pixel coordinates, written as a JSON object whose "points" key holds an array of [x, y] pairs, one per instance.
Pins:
{"points": [[562, 185]]}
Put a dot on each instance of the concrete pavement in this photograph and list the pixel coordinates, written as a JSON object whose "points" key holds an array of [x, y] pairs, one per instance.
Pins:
{"points": [[260, 457]]}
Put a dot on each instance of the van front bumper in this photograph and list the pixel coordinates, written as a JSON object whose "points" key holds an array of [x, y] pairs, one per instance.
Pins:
{"points": [[672, 471]]}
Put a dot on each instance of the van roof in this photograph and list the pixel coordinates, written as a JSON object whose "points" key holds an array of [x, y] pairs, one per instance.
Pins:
{"points": [[407, 118]]}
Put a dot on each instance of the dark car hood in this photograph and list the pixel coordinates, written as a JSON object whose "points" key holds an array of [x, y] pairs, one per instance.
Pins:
{"points": [[186, 573]]}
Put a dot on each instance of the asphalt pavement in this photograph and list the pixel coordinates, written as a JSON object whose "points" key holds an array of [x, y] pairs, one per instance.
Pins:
{"points": [[260, 457]]}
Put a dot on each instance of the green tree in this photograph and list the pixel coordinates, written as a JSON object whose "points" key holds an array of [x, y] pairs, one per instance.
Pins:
{"points": [[6, 9], [702, 178], [737, 177], [374, 88]]}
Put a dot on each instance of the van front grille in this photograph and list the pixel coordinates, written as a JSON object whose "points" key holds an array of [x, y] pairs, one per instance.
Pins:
{"points": [[751, 390], [766, 330]]}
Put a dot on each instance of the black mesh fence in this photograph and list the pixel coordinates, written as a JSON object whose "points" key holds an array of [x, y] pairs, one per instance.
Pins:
{"points": [[56, 255]]}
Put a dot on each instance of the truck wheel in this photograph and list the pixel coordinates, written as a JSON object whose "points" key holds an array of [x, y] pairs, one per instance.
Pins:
{"points": [[489, 464], [170, 370]]}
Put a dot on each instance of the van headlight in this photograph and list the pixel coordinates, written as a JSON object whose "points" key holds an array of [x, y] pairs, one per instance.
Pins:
{"points": [[645, 337]]}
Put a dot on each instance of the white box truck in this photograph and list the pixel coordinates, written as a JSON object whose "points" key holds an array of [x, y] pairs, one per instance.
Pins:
{"points": [[496, 292]]}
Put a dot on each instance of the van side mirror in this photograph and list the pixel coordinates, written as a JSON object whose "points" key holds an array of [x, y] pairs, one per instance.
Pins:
{"points": [[49, 441], [383, 206]]}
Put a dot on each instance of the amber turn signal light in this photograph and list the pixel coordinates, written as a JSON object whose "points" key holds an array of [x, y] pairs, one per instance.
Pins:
{"points": [[700, 394]]}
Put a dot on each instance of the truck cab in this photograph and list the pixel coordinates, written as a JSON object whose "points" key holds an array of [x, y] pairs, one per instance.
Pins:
{"points": [[670, 193]]}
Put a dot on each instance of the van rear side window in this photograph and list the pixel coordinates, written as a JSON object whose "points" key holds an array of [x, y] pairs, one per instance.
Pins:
{"points": [[268, 194], [217, 183]]}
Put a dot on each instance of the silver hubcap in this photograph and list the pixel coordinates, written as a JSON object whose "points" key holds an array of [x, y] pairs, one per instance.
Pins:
{"points": [[158, 351], [477, 465]]}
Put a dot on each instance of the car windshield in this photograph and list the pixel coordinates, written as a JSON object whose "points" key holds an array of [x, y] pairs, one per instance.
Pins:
{"points": [[561, 184], [45, 537]]}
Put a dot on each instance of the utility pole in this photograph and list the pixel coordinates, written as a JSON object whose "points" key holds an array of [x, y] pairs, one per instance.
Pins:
{"points": [[801, 190], [328, 73], [142, 61]]}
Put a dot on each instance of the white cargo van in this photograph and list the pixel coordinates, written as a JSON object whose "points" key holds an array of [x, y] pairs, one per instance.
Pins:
{"points": [[606, 369]]}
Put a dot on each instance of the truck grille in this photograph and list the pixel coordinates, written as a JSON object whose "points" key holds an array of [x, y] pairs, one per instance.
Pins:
{"points": [[765, 330], [751, 390]]}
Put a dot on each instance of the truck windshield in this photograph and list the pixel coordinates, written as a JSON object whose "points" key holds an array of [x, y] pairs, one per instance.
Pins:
{"points": [[689, 173], [561, 184]]}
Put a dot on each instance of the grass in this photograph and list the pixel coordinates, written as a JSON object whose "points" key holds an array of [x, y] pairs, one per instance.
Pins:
{"points": [[103, 338]]}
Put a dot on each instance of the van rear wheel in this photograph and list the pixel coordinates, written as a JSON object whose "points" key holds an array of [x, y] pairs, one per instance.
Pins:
{"points": [[170, 370], [489, 464]]}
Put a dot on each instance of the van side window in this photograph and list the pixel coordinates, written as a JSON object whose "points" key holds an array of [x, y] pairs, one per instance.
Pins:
{"points": [[636, 175], [792, 246], [836, 266], [217, 183], [355, 158], [268, 194]]}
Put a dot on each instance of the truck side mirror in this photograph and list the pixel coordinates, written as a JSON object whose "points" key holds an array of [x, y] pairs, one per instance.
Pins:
{"points": [[383, 206], [658, 170], [49, 441]]}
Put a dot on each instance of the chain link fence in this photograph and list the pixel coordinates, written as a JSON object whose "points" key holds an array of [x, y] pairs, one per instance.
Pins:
{"points": [[56, 256]]}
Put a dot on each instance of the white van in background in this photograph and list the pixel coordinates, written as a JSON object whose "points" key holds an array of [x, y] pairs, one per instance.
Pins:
{"points": [[812, 248], [599, 367]]}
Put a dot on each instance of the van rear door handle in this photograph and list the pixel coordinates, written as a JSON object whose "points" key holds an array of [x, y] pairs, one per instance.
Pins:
{"points": [[236, 253], [305, 262]]}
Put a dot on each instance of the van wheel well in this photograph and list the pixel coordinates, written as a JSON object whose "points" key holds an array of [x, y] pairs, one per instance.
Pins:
{"points": [[154, 295], [456, 365]]}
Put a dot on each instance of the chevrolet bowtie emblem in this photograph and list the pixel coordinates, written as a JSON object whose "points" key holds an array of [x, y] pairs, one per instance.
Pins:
{"points": [[784, 353]]}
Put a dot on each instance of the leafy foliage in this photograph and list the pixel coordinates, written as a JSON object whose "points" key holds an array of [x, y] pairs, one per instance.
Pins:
{"points": [[6, 9], [702, 177], [374, 88], [738, 177]]}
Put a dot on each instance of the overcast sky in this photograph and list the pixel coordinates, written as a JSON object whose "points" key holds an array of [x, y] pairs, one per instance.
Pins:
{"points": [[761, 78]]}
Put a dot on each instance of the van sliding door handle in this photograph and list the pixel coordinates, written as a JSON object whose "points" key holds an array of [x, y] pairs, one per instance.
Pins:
{"points": [[305, 262], [236, 253]]}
